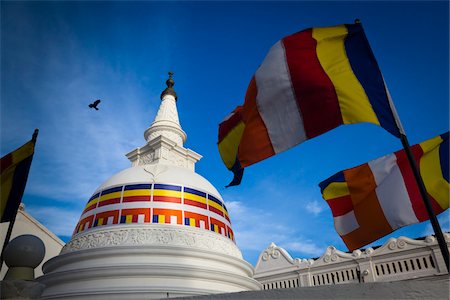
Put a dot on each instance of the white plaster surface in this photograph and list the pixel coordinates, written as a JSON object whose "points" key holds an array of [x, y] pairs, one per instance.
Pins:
{"points": [[26, 224]]}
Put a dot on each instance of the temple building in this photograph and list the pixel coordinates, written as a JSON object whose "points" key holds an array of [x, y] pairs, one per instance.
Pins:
{"points": [[160, 230], [154, 230]]}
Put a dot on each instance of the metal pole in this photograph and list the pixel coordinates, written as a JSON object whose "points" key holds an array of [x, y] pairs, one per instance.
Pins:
{"points": [[426, 200]]}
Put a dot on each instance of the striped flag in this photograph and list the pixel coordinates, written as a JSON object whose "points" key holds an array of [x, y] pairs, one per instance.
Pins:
{"points": [[230, 133], [309, 83], [374, 199], [15, 167]]}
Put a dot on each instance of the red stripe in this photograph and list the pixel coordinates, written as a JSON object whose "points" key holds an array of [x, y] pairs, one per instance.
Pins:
{"points": [[340, 206], [134, 219], [194, 203], [436, 207], [5, 162], [110, 201], [136, 198], [410, 181], [166, 199], [226, 126], [316, 95], [89, 208], [213, 209]]}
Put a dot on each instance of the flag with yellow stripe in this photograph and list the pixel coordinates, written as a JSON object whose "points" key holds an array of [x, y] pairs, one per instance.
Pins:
{"points": [[15, 167], [374, 199]]}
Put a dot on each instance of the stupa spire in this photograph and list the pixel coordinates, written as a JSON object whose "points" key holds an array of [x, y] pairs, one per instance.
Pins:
{"points": [[169, 90], [165, 137], [166, 121]]}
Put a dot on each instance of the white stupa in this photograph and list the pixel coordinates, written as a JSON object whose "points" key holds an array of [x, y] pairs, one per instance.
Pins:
{"points": [[155, 230]]}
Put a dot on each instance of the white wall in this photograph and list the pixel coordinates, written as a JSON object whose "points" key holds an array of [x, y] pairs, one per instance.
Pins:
{"points": [[26, 224]]}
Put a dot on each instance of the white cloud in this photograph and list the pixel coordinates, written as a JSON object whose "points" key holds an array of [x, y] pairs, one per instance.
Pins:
{"points": [[77, 148], [307, 247], [314, 207], [60, 221], [255, 229]]}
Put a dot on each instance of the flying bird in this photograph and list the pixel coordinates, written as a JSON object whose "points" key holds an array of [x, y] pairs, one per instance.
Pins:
{"points": [[94, 105]]}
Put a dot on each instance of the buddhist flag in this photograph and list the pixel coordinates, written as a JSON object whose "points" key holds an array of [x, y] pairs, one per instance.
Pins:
{"points": [[378, 197], [230, 133], [14, 174], [309, 83]]}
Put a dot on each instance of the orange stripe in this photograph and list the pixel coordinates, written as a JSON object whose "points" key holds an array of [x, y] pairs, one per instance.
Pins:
{"points": [[368, 212], [255, 143]]}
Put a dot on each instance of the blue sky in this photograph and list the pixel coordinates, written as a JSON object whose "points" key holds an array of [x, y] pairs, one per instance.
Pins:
{"points": [[57, 57]]}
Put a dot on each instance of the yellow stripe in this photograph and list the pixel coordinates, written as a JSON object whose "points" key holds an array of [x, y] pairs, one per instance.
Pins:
{"points": [[23, 152], [335, 190], [167, 193], [128, 218], [191, 222], [136, 193], [6, 185], [353, 101], [430, 169], [214, 204], [430, 144], [194, 197], [228, 147], [91, 202], [8, 174], [110, 196], [162, 219], [100, 222]]}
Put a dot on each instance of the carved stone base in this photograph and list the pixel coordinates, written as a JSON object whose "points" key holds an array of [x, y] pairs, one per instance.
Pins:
{"points": [[147, 263], [154, 235]]}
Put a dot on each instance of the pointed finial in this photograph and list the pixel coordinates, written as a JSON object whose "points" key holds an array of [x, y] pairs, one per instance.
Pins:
{"points": [[357, 21], [169, 90]]}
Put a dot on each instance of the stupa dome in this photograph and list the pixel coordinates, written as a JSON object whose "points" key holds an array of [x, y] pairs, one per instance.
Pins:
{"points": [[155, 194], [154, 230]]}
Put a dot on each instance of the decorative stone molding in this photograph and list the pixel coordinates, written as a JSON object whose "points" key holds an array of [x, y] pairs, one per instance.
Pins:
{"points": [[169, 133], [152, 235], [164, 150], [271, 252], [397, 259]]}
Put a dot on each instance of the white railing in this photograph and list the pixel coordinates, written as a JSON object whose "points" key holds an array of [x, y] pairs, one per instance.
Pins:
{"points": [[398, 259]]}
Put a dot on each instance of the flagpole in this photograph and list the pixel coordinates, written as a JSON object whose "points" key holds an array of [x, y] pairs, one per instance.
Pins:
{"points": [[423, 191], [13, 219]]}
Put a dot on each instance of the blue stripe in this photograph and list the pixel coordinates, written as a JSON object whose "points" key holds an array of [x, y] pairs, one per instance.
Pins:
{"points": [[195, 192], [186, 221], [93, 197], [338, 177], [167, 187], [443, 156], [155, 219], [214, 199], [138, 187], [123, 219], [112, 190], [365, 68]]}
